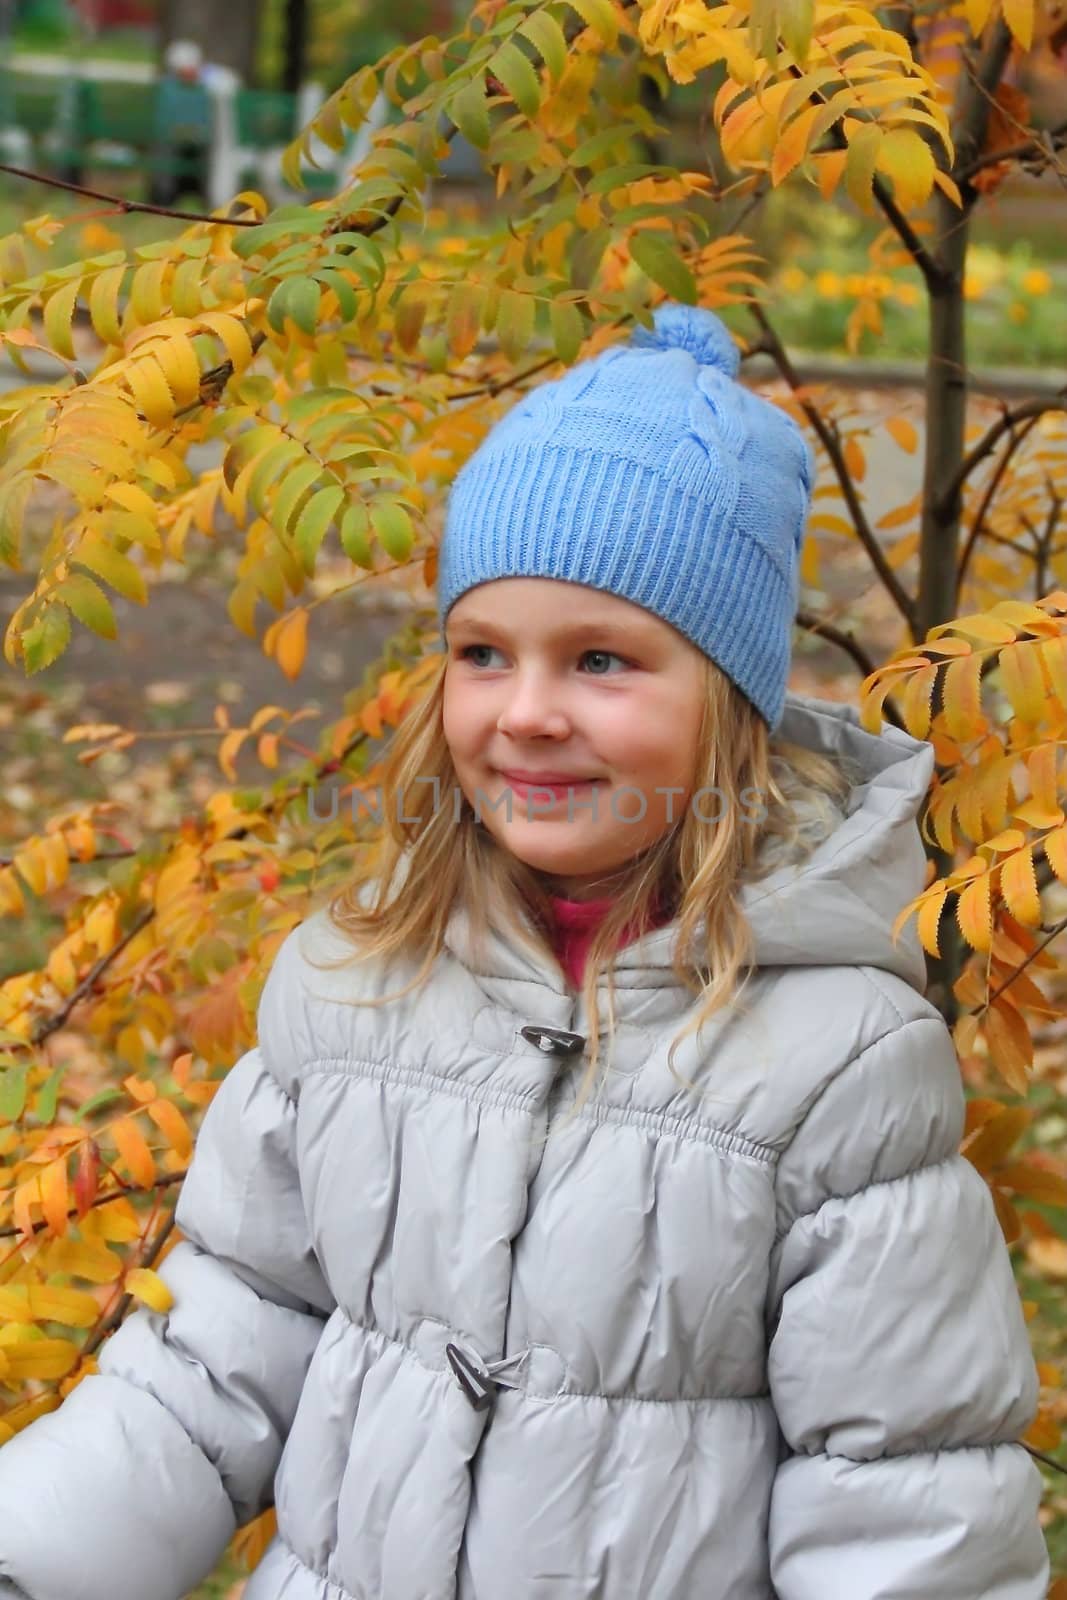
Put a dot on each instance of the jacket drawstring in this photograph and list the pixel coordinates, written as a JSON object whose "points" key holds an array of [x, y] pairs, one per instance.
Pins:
{"points": [[480, 1379]]}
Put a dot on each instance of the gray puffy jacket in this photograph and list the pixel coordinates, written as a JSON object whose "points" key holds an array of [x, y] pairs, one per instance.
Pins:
{"points": [[762, 1343]]}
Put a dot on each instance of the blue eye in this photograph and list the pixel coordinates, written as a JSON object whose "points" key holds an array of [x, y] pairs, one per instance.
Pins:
{"points": [[607, 655], [466, 649]]}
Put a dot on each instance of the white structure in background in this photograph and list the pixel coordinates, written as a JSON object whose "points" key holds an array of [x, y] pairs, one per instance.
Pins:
{"points": [[230, 162]]}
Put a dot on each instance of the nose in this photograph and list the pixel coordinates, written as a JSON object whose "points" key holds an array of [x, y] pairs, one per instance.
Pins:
{"points": [[532, 710]]}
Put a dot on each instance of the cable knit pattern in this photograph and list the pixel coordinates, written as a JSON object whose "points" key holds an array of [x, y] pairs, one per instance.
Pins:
{"points": [[649, 472]]}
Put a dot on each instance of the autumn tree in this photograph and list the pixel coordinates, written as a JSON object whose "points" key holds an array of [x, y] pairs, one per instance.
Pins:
{"points": [[344, 357]]}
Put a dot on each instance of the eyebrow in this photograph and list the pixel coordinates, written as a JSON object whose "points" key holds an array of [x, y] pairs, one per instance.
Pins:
{"points": [[579, 630]]}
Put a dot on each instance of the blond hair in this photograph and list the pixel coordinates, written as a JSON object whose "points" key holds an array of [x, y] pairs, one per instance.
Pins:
{"points": [[428, 860]]}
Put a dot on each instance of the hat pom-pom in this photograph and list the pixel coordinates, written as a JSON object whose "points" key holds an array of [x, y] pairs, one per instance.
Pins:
{"points": [[692, 328]]}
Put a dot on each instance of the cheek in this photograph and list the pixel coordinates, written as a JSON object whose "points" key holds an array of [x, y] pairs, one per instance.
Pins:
{"points": [[458, 718]]}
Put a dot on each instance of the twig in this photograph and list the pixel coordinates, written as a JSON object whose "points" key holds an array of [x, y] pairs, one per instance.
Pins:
{"points": [[111, 1322], [832, 445], [127, 205], [1004, 424], [1015, 152], [988, 496], [1050, 1461], [103, 1200], [53, 1023]]}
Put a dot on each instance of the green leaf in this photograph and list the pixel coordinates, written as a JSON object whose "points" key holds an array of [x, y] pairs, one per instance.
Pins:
{"points": [[586, 255], [568, 329], [46, 638], [44, 1104], [297, 299], [12, 1092], [470, 113], [303, 304], [658, 256], [545, 33], [355, 535], [629, 172], [292, 492], [313, 521], [515, 322], [269, 466], [600, 16], [393, 528], [863, 146], [599, 144], [96, 1102], [513, 69], [347, 303], [89, 604]]}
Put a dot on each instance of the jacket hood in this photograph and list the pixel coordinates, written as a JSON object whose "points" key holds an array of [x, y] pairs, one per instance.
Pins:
{"points": [[837, 905]]}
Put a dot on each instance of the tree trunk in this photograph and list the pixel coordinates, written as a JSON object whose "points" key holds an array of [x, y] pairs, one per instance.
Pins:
{"points": [[297, 29], [946, 417], [228, 34]]}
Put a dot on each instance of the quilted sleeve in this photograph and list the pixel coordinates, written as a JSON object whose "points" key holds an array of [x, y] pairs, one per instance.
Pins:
{"points": [[132, 1489], [899, 1363]]}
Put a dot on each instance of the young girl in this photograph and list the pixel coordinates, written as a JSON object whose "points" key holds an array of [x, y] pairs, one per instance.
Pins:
{"points": [[588, 1222]]}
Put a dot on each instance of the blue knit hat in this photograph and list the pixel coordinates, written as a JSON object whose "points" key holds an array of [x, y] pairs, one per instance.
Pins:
{"points": [[651, 473]]}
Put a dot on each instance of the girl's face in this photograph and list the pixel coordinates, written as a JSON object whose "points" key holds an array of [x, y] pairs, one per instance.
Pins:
{"points": [[547, 679]]}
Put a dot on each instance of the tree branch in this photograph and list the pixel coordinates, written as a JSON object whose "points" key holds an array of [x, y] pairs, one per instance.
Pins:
{"points": [[1026, 150], [976, 102], [103, 1200], [127, 205], [996, 478], [852, 647], [1004, 424], [831, 443]]}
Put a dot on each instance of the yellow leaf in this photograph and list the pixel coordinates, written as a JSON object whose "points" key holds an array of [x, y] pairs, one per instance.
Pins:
{"points": [[906, 158], [977, 14], [1054, 845], [962, 698], [151, 392], [84, 1258], [133, 1148], [148, 1286], [1020, 674], [974, 914], [116, 1222], [73, 1307], [15, 1304], [1018, 885], [1019, 15], [104, 304], [928, 919], [58, 314], [233, 335], [41, 1358]]}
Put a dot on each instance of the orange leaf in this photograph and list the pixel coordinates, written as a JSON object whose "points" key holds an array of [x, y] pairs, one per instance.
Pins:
{"points": [[55, 1195], [290, 647], [904, 432], [1018, 885], [1011, 1048], [133, 1148], [169, 1120], [974, 913]]}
